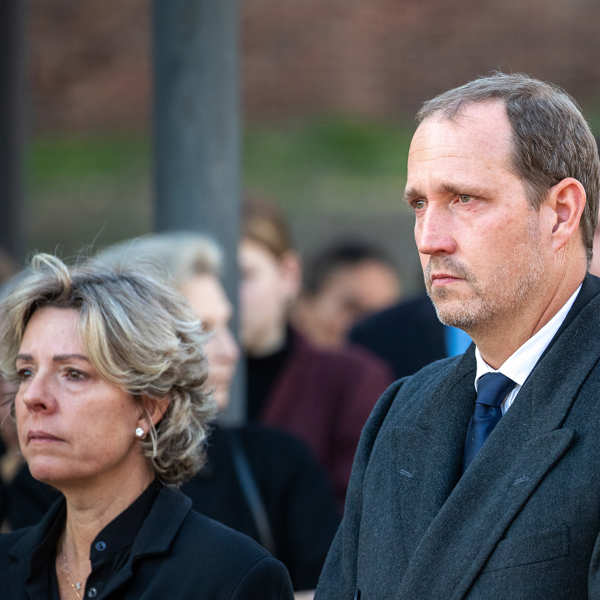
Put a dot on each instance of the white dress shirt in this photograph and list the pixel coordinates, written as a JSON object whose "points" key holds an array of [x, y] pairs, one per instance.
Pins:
{"points": [[519, 365]]}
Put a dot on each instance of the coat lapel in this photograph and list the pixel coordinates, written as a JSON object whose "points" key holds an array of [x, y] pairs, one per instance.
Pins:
{"points": [[429, 453], [521, 450]]}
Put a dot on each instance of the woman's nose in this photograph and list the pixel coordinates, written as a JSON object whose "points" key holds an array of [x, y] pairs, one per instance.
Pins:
{"points": [[37, 394]]}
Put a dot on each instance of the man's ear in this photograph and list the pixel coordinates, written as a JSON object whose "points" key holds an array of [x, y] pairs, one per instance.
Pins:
{"points": [[153, 409], [566, 199]]}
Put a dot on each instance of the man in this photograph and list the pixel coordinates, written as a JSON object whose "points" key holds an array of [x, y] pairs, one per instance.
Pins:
{"points": [[449, 498], [344, 282]]}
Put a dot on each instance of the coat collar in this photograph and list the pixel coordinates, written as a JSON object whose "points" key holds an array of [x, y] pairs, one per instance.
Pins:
{"points": [[521, 450], [157, 533]]}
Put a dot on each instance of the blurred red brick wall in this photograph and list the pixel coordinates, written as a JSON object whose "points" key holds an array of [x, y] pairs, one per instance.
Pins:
{"points": [[90, 68]]}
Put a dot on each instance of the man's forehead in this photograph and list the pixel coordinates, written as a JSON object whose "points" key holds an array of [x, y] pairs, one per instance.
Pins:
{"points": [[481, 121], [479, 133]]}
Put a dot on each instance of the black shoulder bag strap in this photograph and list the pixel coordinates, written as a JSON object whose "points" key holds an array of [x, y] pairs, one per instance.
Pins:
{"points": [[251, 493]]}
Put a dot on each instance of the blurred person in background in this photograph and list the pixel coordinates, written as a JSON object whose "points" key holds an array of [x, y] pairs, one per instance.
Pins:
{"points": [[260, 481], [10, 455], [322, 396], [343, 283], [111, 409]]}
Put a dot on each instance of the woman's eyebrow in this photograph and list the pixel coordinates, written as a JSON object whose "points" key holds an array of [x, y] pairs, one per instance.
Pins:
{"points": [[64, 357]]}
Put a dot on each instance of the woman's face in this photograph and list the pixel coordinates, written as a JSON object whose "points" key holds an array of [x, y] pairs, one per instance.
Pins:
{"points": [[267, 286], [207, 298], [73, 426]]}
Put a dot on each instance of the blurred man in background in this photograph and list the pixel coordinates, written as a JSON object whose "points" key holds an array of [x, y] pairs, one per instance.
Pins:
{"points": [[343, 283]]}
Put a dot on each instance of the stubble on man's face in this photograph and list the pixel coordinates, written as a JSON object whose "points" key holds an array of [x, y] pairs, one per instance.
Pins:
{"points": [[505, 289]]}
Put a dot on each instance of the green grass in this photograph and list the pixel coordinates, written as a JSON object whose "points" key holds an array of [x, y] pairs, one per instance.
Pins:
{"points": [[97, 188]]}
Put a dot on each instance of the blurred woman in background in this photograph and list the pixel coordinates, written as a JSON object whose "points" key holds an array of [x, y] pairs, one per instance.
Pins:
{"points": [[322, 396], [257, 480], [111, 409]]}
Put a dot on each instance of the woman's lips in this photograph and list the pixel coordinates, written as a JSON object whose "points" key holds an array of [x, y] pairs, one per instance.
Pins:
{"points": [[42, 436]]}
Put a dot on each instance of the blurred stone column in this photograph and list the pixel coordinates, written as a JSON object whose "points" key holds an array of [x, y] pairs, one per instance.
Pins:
{"points": [[12, 124], [197, 129]]}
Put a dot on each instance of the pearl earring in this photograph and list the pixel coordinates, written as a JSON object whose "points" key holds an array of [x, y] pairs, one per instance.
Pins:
{"points": [[139, 432]]}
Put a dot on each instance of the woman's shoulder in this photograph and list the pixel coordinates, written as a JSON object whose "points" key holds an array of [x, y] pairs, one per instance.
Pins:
{"points": [[8, 540], [231, 554], [218, 539], [16, 544]]}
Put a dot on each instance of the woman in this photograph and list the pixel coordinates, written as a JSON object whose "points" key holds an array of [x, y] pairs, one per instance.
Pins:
{"points": [[322, 396], [111, 410], [257, 480]]}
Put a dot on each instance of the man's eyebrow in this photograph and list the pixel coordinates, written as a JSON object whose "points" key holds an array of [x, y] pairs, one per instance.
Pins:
{"points": [[466, 189], [410, 194], [453, 189]]}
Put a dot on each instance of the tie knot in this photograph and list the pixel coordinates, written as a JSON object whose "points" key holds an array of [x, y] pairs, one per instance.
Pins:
{"points": [[492, 388]]}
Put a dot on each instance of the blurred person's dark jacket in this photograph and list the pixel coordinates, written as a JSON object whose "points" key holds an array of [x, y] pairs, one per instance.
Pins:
{"points": [[321, 396], [295, 492], [168, 555], [407, 336]]}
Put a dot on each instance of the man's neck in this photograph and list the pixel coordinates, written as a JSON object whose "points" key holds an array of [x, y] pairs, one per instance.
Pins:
{"points": [[499, 339]]}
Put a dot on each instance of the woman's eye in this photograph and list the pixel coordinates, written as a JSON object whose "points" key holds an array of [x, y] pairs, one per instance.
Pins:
{"points": [[76, 375]]}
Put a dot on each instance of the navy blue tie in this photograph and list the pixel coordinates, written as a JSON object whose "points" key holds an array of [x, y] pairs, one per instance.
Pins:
{"points": [[492, 388]]}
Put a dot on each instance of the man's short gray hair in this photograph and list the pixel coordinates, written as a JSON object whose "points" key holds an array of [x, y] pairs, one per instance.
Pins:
{"points": [[552, 139]]}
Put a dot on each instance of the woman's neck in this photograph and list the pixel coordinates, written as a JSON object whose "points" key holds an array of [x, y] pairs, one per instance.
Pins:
{"points": [[90, 509]]}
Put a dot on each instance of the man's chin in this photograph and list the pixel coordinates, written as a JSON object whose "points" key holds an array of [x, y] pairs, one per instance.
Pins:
{"points": [[454, 313]]}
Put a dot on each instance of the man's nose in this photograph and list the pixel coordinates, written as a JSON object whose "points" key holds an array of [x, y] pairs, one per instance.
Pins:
{"points": [[433, 232], [37, 394]]}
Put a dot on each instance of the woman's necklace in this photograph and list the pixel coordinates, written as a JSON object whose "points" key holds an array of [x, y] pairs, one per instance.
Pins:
{"points": [[64, 567]]}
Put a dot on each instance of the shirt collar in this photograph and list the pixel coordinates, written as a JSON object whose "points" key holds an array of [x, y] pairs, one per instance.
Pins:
{"points": [[519, 365]]}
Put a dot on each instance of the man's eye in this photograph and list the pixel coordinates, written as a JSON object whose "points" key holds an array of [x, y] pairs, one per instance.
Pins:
{"points": [[23, 374], [464, 198], [418, 204]]}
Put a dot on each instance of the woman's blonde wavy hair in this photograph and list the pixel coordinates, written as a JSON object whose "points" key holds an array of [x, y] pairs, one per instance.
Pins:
{"points": [[139, 334]]}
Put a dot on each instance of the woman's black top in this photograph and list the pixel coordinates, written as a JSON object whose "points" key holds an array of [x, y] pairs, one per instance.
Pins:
{"points": [[157, 548], [109, 551]]}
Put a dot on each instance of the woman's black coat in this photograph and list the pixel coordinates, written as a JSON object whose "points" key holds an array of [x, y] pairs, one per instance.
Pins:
{"points": [[177, 554]]}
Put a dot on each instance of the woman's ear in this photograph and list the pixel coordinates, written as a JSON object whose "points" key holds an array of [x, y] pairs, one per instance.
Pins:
{"points": [[153, 410]]}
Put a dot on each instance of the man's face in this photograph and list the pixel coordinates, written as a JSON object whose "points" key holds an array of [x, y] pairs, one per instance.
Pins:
{"points": [[478, 238], [349, 293]]}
